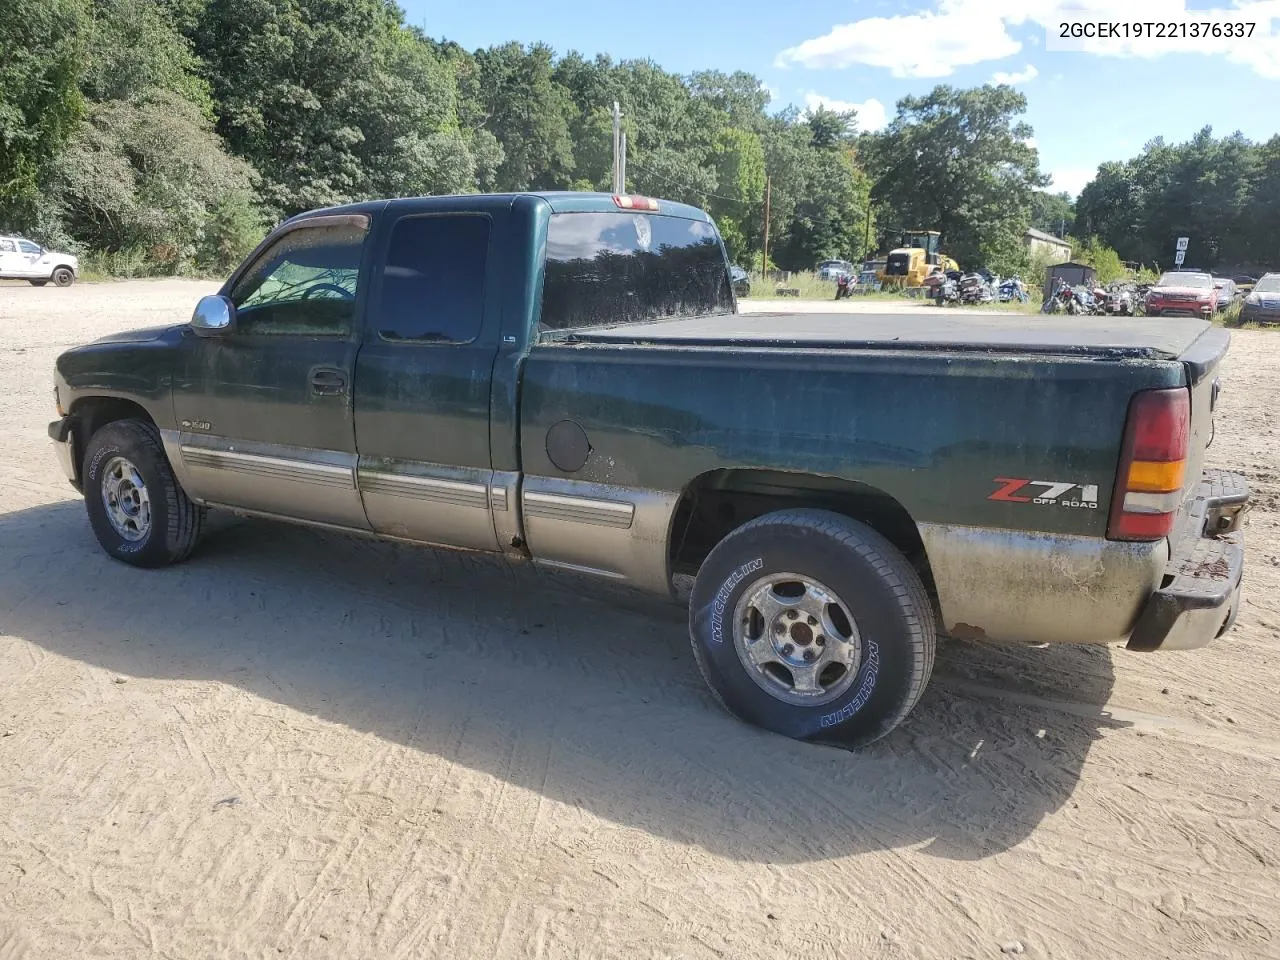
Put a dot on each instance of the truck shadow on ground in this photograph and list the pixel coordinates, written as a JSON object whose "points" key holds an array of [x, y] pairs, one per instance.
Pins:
{"points": [[473, 661]]}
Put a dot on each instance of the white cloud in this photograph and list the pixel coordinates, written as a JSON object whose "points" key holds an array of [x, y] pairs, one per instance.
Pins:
{"points": [[918, 45], [1013, 79], [949, 34], [1031, 142], [1071, 179], [872, 115]]}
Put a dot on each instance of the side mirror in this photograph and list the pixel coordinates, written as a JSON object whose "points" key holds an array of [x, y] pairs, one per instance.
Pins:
{"points": [[214, 316]]}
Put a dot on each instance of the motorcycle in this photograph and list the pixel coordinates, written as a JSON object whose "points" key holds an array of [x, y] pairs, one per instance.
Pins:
{"points": [[948, 290], [1118, 300], [1062, 300], [1013, 289], [974, 289], [844, 285]]}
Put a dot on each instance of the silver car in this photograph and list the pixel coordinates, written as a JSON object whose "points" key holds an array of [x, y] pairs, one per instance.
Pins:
{"points": [[835, 269], [1262, 305]]}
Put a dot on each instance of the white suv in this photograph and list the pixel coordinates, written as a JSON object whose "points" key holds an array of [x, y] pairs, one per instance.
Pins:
{"points": [[23, 260]]}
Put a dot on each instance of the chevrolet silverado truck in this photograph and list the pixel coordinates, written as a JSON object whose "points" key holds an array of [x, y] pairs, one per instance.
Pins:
{"points": [[565, 379]]}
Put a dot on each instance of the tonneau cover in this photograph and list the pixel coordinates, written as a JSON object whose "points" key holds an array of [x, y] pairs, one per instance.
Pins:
{"points": [[950, 330]]}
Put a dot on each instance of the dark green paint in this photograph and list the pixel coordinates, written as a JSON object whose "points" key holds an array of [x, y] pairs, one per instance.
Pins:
{"points": [[931, 428]]}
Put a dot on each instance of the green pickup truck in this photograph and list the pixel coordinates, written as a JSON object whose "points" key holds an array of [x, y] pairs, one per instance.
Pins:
{"points": [[564, 378]]}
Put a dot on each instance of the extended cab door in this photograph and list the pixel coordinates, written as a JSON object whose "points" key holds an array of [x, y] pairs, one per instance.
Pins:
{"points": [[424, 373], [265, 413]]}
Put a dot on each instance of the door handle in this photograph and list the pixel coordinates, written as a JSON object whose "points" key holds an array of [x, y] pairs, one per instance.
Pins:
{"points": [[328, 383]]}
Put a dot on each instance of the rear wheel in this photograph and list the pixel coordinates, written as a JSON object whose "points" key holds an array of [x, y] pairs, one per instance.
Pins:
{"points": [[63, 277], [37, 283], [138, 511], [812, 625]]}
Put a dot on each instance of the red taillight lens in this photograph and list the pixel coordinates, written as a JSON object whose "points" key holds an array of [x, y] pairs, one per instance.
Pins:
{"points": [[1161, 424], [1152, 465], [636, 203]]}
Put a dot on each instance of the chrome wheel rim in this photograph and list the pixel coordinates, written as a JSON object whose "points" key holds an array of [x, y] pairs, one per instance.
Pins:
{"points": [[125, 497], [797, 640]]}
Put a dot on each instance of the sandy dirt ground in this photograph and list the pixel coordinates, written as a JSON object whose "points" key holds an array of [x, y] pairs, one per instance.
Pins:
{"points": [[312, 746]]}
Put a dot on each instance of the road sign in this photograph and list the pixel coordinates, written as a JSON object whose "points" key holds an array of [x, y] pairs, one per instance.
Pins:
{"points": [[1182, 243], [1179, 257]]}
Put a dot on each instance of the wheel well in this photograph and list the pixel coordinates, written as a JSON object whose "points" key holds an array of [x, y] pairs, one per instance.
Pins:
{"points": [[717, 503], [94, 413]]}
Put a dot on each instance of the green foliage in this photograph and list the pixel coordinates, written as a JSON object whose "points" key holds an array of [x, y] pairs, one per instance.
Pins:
{"points": [[1102, 258], [168, 132], [1054, 213], [133, 48], [1222, 193], [958, 161], [529, 115], [41, 50], [144, 174], [740, 178], [233, 227]]}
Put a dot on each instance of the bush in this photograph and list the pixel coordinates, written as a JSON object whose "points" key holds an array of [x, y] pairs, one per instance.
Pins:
{"points": [[233, 228]]}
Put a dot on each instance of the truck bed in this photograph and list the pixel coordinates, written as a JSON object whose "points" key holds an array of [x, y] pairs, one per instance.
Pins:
{"points": [[1163, 338]]}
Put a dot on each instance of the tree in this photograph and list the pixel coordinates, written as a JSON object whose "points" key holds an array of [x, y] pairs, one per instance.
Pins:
{"points": [[1054, 213], [145, 173], [529, 115], [1211, 190], [41, 50], [740, 177], [333, 100], [133, 48], [958, 161]]}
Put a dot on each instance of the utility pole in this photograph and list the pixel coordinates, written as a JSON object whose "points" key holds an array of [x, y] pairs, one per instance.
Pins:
{"points": [[866, 242], [617, 148], [764, 255], [622, 164]]}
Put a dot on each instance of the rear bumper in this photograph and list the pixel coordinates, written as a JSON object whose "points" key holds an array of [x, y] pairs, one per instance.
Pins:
{"points": [[63, 435], [1200, 592]]}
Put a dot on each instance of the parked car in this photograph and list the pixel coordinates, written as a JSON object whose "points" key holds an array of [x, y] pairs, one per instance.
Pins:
{"points": [[741, 281], [834, 269], [1225, 289], [1262, 303], [23, 259], [1182, 292], [529, 387]]}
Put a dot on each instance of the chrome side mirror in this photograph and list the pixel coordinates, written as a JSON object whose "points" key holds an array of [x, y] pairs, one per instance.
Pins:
{"points": [[215, 316]]}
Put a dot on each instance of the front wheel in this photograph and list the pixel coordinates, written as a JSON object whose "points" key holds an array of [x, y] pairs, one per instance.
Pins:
{"points": [[137, 510], [63, 277], [812, 625]]}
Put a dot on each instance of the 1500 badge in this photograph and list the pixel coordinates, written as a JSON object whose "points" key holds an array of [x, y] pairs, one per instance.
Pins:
{"points": [[1055, 492]]}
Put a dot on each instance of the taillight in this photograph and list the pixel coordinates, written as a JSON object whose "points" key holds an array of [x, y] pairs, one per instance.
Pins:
{"points": [[1153, 465], [636, 203]]}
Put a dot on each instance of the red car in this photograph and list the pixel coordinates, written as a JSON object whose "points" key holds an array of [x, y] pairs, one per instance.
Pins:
{"points": [[1182, 292]]}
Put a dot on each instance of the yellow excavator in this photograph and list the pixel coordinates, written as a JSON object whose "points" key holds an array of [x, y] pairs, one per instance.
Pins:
{"points": [[914, 259]]}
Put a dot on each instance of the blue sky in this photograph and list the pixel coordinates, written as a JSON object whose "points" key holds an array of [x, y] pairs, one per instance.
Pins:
{"points": [[1087, 105]]}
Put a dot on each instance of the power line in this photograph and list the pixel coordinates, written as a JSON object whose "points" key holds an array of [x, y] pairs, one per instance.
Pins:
{"points": [[689, 189]]}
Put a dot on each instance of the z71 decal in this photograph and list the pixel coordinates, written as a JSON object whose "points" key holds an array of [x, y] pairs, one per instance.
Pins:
{"points": [[1046, 492]]}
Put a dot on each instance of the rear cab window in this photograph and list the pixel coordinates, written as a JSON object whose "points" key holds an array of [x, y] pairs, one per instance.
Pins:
{"points": [[606, 268]]}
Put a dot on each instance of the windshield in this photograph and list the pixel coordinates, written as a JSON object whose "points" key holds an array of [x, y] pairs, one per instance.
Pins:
{"points": [[608, 268], [1197, 281], [1268, 285]]}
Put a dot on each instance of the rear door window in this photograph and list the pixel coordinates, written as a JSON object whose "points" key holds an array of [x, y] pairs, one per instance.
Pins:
{"points": [[611, 268], [433, 281]]}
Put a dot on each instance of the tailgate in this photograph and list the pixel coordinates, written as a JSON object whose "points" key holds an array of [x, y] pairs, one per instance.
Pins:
{"points": [[1201, 361]]}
